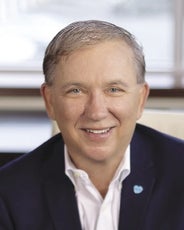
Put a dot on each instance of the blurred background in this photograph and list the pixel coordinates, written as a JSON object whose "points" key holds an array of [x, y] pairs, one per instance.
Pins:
{"points": [[26, 27]]}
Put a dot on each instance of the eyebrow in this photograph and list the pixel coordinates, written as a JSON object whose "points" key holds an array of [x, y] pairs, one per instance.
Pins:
{"points": [[68, 84], [78, 84], [118, 82]]}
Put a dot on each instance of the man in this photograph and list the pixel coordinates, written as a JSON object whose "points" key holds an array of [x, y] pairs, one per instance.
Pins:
{"points": [[103, 172]]}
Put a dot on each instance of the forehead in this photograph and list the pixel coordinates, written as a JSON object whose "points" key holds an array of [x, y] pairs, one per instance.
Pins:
{"points": [[104, 59], [116, 49]]}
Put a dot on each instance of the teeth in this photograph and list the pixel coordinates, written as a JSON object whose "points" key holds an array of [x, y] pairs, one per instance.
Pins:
{"points": [[98, 131]]}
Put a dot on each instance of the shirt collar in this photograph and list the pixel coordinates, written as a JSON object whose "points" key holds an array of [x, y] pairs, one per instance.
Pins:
{"points": [[121, 173], [123, 169]]}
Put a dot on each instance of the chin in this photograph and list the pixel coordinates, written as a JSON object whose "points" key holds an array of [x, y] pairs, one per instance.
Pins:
{"points": [[99, 155]]}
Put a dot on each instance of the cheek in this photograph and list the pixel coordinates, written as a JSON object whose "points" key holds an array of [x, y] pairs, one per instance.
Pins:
{"points": [[126, 109], [125, 105], [67, 111]]}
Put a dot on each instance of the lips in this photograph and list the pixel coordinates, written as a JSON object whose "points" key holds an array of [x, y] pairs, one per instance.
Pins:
{"points": [[97, 135], [98, 131]]}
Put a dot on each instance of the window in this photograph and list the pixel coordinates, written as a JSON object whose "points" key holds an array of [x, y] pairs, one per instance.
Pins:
{"points": [[28, 26]]}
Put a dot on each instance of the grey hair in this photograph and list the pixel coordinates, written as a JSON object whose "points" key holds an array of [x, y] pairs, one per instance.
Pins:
{"points": [[85, 33]]}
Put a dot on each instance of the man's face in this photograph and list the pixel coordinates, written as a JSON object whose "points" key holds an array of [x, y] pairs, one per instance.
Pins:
{"points": [[96, 101]]}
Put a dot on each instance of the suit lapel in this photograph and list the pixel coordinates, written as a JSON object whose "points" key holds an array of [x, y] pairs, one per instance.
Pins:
{"points": [[63, 206], [136, 194], [59, 192], [137, 187]]}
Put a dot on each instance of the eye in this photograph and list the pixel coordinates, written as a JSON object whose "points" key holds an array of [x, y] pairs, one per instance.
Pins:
{"points": [[114, 90], [75, 91]]}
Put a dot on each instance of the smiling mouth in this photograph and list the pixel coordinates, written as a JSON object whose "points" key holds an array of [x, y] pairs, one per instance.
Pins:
{"points": [[98, 131]]}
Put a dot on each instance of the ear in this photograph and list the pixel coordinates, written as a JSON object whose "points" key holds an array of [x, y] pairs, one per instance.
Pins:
{"points": [[144, 93], [47, 94]]}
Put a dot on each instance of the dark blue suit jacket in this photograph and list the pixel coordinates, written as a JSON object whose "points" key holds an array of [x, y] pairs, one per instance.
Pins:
{"points": [[35, 194]]}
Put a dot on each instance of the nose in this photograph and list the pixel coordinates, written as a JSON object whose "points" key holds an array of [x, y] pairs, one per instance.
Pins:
{"points": [[96, 107]]}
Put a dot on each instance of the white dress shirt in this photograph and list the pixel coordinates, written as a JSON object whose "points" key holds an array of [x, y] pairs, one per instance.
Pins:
{"points": [[95, 212]]}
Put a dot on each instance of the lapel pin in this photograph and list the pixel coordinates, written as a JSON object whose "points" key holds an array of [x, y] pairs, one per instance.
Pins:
{"points": [[137, 189]]}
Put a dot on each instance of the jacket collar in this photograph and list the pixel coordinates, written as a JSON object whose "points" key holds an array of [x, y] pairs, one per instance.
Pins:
{"points": [[59, 191]]}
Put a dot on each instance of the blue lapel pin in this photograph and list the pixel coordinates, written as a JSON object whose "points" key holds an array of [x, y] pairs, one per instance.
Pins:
{"points": [[138, 189]]}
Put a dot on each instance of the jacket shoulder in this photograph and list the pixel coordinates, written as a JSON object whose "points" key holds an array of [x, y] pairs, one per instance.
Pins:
{"points": [[154, 135], [160, 145], [30, 163]]}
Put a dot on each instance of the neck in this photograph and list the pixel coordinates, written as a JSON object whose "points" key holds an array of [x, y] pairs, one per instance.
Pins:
{"points": [[101, 174], [101, 180]]}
